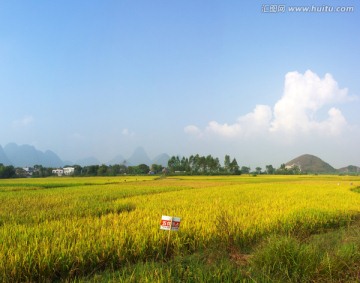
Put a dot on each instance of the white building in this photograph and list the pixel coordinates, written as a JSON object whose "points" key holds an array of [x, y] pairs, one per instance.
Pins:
{"points": [[69, 171], [292, 166], [28, 170], [58, 171]]}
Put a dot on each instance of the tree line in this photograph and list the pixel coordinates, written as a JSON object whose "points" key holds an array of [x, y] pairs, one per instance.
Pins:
{"points": [[192, 165], [91, 170], [208, 165], [7, 171]]}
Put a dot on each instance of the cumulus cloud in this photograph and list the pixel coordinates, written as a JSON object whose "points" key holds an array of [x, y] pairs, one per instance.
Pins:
{"points": [[304, 95], [23, 122], [334, 123], [294, 113], [249, 124]]}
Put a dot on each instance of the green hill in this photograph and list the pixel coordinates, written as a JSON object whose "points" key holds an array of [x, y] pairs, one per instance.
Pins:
{"points": [[311, 164]]}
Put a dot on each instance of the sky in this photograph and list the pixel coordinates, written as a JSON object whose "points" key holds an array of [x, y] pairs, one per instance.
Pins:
{"points": [[251, 79]]}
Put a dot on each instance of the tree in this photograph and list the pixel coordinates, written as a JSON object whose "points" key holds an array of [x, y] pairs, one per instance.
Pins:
{"points": [[174, 164], [216, 167], [113, 170], [258, 170], [245, 170], [102, 170], [270, 169], [77, 170], [282, 170], [91, 170], [40, 171], [143, 169], [234, 167], [7, 171], [194, 163], [131, 170], [202, 164], [156, 168], [184, 164], [227, 163], [296, 170], [122, 168]]}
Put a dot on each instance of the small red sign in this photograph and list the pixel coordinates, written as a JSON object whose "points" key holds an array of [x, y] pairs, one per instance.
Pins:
{"points": [[168, 222]]}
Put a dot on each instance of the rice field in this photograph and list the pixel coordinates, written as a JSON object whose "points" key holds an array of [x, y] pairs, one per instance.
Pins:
{"points": [[72, 229]]}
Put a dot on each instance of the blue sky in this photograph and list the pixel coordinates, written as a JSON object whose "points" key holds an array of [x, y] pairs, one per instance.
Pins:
{"points": [[99, 78]]}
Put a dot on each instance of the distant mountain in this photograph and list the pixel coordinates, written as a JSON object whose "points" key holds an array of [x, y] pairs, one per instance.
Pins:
{"points": [[118, 159], [311, 164], [3, 158], [161, 159], [27, 155], [51, 159], [139, 157], [349, 169], [88, 161]]}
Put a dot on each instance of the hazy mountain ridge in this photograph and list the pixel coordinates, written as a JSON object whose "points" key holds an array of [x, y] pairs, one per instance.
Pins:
{"points": [[3, 158], [27, 155], [139, 156], [161, 159]]}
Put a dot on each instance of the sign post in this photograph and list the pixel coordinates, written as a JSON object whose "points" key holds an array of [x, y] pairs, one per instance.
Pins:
{"points": [[171, 224]]}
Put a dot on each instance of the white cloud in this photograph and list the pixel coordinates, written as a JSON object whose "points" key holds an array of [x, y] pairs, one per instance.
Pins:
{"points": [[192, 130], [334, 124], [23, 122], [247, 125], [295, 113], [304, 95]]}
